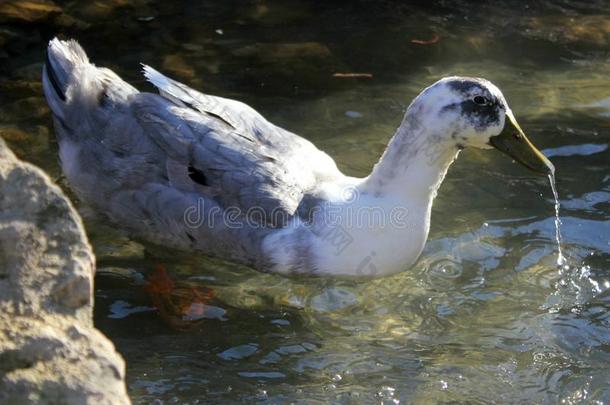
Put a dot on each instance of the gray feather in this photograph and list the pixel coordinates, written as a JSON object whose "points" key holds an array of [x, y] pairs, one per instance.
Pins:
{"points": [[128, 154]]}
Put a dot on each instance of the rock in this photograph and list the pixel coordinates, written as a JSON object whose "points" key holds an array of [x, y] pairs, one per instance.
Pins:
{"points": [[16, 41], [590, 29], [49, 350], [96, 10], [67, 21], [286, 67], [6, 35], [36, 12], [26, 109], [285, 51], [278, 12], [28, 11], [30, 73], [175, 64], [27, 140], [13, 134], [20, 88]]}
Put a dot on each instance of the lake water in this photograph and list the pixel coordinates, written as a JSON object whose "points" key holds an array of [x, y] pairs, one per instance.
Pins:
{"points": [[485, 316]]}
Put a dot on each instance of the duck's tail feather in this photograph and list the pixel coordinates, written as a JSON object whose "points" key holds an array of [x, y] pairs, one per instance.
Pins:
{"points": [[76, 89], [63, 58]]}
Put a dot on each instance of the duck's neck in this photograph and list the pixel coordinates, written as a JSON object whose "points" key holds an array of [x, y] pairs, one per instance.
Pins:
{"points": [[403, 184], [414, 164]]}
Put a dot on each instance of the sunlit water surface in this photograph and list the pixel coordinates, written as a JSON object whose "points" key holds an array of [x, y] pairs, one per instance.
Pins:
{"points": [[486, 315]]}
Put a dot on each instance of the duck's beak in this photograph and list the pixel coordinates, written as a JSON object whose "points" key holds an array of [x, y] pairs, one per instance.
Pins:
{"points": [[514, 143]]}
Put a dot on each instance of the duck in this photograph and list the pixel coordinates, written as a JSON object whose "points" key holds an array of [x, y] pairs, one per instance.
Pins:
{"points": [[207, 174]]}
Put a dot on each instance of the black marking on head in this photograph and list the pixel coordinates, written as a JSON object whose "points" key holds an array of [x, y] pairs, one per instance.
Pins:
{"points": [[480, 100], [474, 88], [191, 237], [480, 116], [465, 86], [477, 114], [197, 176], [53, 79]]}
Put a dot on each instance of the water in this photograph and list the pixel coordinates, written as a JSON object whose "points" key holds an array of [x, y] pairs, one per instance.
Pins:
{"points": [[485, 316], [560, 259]]}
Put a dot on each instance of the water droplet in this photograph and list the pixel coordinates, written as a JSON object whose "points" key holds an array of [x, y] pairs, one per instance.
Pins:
{"points": [[560, 258], [261, 395]]}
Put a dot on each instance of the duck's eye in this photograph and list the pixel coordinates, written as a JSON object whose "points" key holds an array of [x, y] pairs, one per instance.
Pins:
{"points": [[480, 100]]}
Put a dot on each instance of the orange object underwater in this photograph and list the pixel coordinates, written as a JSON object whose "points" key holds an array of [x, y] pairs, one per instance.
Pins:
{"points": [[181, 305]]}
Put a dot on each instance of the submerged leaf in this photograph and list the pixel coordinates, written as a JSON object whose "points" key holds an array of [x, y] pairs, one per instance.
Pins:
{"points": [[181, 305]]}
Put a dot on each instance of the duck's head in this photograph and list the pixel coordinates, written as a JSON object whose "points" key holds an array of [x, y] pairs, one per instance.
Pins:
{"points": [[465, 111]]}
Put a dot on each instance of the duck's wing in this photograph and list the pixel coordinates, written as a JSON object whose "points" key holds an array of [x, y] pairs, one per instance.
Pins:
{"points": [[149, 161], [226, 150]]}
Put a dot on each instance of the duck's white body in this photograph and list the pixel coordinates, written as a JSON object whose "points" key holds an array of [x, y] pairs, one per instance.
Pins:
{"points": [[205, 173], [348, 245], [366, 227]]}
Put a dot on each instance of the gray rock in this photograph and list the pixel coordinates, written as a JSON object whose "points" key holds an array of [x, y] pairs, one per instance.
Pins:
{"points": [[49, 350]]}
